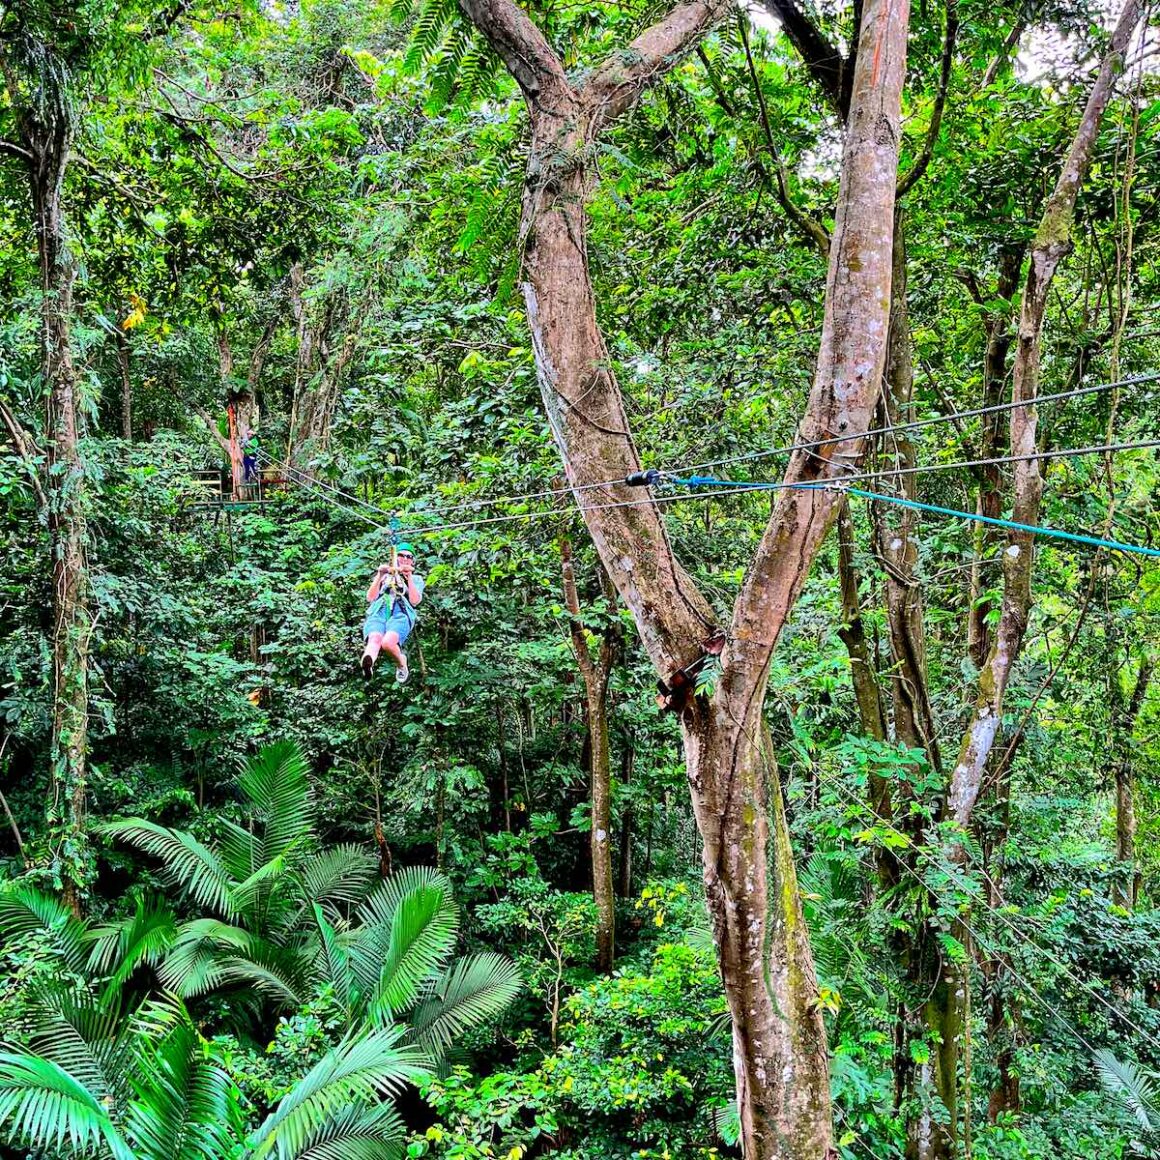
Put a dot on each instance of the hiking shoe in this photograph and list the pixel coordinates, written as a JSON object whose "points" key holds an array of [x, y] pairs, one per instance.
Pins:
{"points": [[402, 672], [368, 666]]}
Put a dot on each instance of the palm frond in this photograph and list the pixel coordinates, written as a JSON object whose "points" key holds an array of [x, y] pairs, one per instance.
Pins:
{"points": [[45, 1108], [471, 991], [333, 962], [84, 1036], [24, 909], [238, 849], [182, 1108], [357, 1133], [142, 939], [184, 859], [422, 936], [277, 784], [1137, 1090], [251, 896], [209, 955], [358, 1071], [340, 874]]}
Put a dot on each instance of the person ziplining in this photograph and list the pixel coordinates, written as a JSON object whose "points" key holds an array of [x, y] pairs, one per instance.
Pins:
{"points": [[394, 597]]}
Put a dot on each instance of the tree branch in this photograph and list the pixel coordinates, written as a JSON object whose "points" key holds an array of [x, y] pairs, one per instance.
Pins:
{"points": [[520, 45], [24, 446], [822, 59], [11, 149], [616, 84], [814, 231], [907, 183]]}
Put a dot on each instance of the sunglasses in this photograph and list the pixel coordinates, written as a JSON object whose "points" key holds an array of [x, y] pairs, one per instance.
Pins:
{"points": [[404, 556]]}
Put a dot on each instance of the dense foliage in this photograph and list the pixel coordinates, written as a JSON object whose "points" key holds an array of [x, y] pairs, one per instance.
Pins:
{"points": [[307, 915]]}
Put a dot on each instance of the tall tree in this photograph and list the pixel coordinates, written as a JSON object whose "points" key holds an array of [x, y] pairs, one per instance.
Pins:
{"points": [[780, 1060], [40, 54], [939, 1137]]}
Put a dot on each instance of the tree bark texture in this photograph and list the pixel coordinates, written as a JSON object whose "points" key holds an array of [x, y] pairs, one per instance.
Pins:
{"points": [[780, 1059]]}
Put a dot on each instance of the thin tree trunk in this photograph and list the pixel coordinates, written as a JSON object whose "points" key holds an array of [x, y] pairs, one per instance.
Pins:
{"points": [[1051, 244], [864, 678], [596, 675], [990, 498], [627, 820], [1123, 756], [894, 528], [65, 490], [123, 363]]}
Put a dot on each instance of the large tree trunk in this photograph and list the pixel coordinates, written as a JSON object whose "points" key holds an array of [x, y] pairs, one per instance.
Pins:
{"points": [[596, 675], [780, 1059]]}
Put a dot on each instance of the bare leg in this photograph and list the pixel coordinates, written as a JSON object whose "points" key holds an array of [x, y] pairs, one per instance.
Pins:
{"points": [[390, 643], [374, 643]]}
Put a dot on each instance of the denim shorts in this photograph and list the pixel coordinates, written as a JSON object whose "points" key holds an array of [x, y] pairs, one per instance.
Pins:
{"points": [[378, 621]]}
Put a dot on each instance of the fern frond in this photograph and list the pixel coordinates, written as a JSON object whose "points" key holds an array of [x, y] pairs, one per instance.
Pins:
{"points": [[427, 33]]}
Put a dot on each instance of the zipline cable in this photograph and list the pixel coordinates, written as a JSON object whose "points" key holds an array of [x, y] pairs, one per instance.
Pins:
{"points": [[734, 487], [787, 449], [915, 505]]}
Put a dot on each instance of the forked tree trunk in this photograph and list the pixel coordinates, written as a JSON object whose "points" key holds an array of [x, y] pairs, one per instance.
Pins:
{"points": [[780, 1060], [596, 675]]}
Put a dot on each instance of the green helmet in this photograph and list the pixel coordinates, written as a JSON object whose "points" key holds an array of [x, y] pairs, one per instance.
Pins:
{"points": [[404, 548]]}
